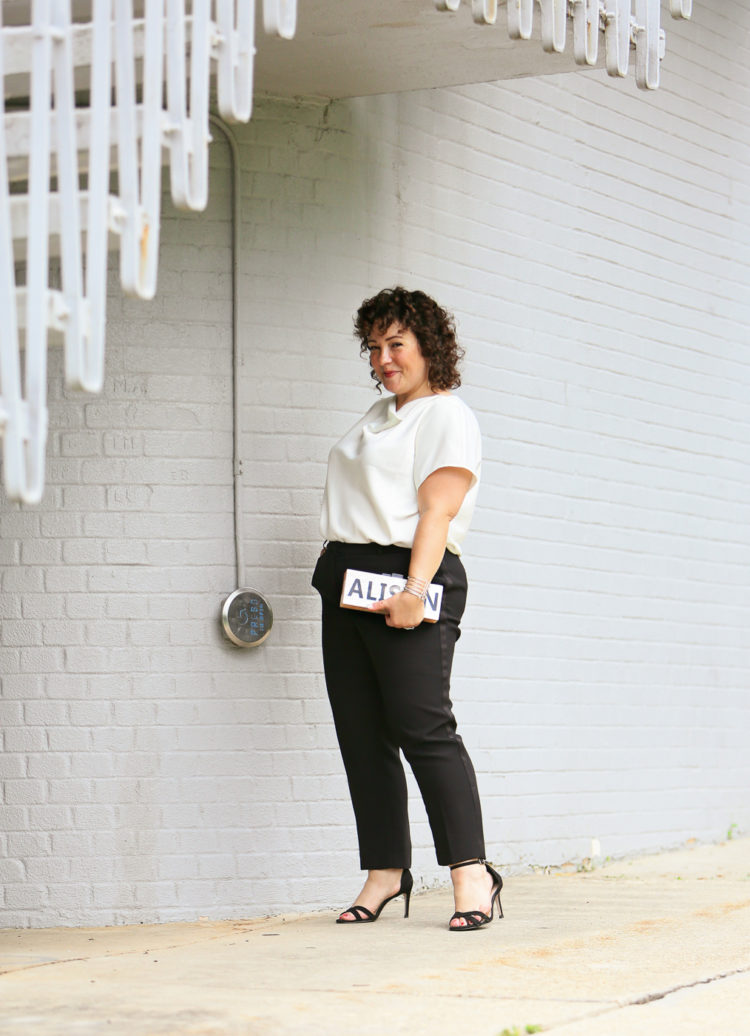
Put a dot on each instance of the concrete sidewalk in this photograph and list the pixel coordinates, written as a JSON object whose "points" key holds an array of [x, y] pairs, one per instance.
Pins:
{"points": [[660, 944]]}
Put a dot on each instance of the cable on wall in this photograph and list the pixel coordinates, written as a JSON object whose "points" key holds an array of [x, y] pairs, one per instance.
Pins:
{"points": [[237, 466], [246, 615]]}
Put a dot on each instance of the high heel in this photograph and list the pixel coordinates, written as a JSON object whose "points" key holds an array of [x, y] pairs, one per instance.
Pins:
{"points": [[364, 916], [477, 918]]}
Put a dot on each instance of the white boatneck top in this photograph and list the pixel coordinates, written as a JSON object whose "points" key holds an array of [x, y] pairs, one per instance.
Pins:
{"points": [[376, 469]]}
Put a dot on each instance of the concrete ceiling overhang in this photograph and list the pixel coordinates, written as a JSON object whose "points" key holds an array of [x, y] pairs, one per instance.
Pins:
{"points": [[351, 48], [360, 47]]}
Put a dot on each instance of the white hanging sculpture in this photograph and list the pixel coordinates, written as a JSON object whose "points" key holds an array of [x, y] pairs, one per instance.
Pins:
{"points": [[55, 164], [625, 23]]}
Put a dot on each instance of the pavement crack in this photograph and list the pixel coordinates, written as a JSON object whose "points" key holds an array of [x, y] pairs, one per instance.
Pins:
{"points": [[686, 985], [641, 1001], [7, 972]]}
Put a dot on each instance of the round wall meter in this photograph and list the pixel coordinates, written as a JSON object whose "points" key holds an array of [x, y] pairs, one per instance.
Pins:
{"points": [[246, 617]]}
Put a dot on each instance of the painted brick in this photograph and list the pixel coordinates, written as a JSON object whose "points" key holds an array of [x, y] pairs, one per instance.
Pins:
{"points": [[24, 791], [24, 896]]}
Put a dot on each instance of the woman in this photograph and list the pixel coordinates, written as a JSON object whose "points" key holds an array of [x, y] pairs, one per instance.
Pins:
{"points": [[399, 495]]}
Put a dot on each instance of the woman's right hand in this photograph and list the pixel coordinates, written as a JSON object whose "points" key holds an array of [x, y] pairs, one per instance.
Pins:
{"points": [[402, 611]]}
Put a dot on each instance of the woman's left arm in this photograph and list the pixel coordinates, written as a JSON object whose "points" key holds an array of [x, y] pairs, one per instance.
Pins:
{"points": [[439, 499]]}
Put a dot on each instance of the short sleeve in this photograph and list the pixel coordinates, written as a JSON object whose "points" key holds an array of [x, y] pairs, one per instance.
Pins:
{"points": [[448, 437]]}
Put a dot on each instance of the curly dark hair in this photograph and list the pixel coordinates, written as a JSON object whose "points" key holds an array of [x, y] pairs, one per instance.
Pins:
{"points": [[433, 327]]}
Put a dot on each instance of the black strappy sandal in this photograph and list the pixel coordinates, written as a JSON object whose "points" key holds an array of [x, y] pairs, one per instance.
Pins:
{"points": [[476, 918], [364, 916]]}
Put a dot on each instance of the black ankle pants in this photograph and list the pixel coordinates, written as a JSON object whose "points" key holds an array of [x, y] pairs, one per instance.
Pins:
{"points": [[390, 690]]}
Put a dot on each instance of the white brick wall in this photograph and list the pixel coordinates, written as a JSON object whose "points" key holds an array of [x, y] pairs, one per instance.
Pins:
{"points": [[592, 241]]}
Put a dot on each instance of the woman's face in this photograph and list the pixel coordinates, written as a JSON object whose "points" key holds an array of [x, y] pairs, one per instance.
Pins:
{"points": [[398, 362]]}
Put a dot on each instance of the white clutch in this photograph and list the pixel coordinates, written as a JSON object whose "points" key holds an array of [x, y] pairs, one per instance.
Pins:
{"points": [[362, 589]]}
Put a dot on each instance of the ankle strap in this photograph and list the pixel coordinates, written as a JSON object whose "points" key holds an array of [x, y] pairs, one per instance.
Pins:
{"points": [[466, 863]]}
